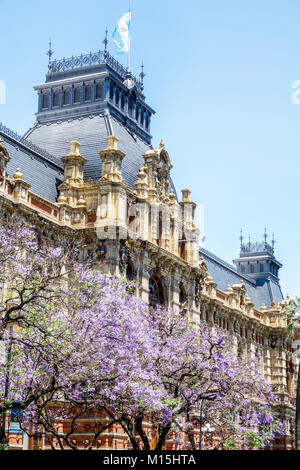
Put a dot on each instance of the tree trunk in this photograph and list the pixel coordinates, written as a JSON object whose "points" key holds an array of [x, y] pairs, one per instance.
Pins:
{"points": [[162, 436], [141, 432], [297, 427]]}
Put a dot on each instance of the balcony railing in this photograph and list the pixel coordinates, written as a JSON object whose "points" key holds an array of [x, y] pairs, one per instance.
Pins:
{"points": [[257, 247], [93, 58]]}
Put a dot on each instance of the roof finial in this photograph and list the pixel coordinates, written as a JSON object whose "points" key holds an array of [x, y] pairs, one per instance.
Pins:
{"points": [[249, 243], [50, 54], [265, 236], [273, 242], [142, 75], [105, 42], [241, 238]]}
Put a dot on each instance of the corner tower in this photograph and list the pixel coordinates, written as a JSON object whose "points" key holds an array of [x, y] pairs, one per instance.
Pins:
{"points": [[258, 261], [92, 83], [86, 99]]}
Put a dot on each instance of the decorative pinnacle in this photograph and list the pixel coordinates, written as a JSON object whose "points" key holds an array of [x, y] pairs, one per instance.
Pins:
{"points": [[112, 142], [142, 75], [50, 54], [105, 42], [265, 236], [241, 238], [273, 241], [74, 148]]}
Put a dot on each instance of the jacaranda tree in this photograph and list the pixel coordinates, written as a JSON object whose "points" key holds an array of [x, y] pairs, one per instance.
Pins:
{"points": [[83, 346]]}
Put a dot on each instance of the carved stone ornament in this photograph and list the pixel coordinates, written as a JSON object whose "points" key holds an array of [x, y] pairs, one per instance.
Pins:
{"points": [[100, 251], [272, 341]]}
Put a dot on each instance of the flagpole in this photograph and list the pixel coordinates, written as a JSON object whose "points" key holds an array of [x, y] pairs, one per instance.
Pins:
{"points": [[129, 50]]}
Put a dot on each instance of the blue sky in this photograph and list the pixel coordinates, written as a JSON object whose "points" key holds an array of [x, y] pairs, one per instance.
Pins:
{"points": [[219, 75]]}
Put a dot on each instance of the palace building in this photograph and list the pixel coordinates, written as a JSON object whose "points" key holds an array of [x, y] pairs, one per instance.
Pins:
{"points": [[88, 176]]}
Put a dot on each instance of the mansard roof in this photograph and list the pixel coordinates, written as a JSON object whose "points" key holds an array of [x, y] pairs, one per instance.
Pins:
{"points": [[40, 169], [91, 132], [225, 274]]}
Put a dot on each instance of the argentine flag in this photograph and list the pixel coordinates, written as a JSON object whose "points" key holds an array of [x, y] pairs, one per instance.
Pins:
{"points": [[121, 35]]}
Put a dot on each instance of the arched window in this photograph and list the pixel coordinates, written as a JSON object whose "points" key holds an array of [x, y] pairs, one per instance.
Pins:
{"points": [[142, 118], [137, 113], [122, 101], [45, 100], [147, 122], [56, 99], [156, 291], [99, 91], [67, 97], [77, 95], [182, 247], [182, 293], [88, 93], [130, 272]]}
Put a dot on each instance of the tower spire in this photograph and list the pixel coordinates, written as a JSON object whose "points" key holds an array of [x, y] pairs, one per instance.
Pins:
{"points": [[50, 54]]}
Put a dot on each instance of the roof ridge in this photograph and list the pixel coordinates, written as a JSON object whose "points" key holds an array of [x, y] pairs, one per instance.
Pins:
{"points": [[227, 265]]}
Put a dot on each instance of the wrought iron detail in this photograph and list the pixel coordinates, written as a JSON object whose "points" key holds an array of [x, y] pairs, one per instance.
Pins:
{"points": [[257, 247], [93, 58]]}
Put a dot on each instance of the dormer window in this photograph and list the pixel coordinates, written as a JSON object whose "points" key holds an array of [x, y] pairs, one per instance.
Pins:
{"points": [[46, 100], [77, 95], [99, 91], [66, 97], [56, 99], [88, 93]]}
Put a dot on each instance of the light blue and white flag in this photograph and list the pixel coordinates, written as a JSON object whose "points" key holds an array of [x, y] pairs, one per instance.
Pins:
{"points": [[121, 35]]}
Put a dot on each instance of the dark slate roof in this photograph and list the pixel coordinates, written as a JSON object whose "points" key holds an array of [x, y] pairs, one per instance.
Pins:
{"points": [[42, 171], [91, 132], [224, 274]]}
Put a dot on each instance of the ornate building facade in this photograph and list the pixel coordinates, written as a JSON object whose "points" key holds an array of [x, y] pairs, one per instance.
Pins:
{"points": [[88, 177]]}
